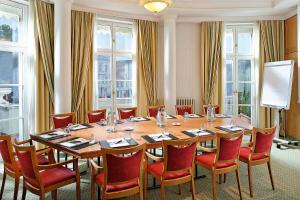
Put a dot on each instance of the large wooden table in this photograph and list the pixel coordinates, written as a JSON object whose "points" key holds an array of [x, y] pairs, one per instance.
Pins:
{"points": [[140, 129]]}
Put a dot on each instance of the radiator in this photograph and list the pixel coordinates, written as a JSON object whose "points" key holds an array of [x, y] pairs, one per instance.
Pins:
{"points": [[180, 101]]}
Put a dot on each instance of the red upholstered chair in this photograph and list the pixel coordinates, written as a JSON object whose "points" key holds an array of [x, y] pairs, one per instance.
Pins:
{"points": [[12, 165], [62, 120], [120, 176], [96, 115], [180, 110], [152, 110], [217, 109], [40, 179], [258, 151], [125, 113], [176, 166], [223, 159]]}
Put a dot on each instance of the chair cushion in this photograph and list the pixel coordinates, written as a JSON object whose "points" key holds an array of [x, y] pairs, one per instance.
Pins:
{"points": [[113, 188], [41, 161], [208, 160], [245, 151], [158, 169], [53, 176]]}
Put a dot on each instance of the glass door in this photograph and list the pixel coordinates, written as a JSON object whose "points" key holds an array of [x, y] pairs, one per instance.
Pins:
{"points": [[238, 84]]}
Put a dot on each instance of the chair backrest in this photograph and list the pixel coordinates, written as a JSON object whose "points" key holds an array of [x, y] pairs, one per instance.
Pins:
{"points": [[180, 110], [6, 151], [179, 154], [125, 113], [62, 120], [28, 162], [262, 140], [96, 115], [152, 110], [228, 147], [122, 169], [217, 109]]}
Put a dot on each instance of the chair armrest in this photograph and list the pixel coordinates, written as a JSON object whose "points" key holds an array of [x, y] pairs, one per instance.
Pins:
{"points": [[44, 150], [209, 150], [155, 158], [96, 169], [247, 144], [49, 152], [22, 142], [51, 166]]}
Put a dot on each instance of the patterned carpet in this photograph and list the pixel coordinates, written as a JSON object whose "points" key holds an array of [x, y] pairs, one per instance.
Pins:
{"points": [[286, 172]]}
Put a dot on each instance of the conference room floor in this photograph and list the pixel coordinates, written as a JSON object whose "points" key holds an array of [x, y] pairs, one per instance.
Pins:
{"points": [[286, 171]]}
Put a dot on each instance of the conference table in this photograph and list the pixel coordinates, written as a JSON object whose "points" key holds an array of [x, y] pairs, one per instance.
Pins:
{"points": [[98, 133]]}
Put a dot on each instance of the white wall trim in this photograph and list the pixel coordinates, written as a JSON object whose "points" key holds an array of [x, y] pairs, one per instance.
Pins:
{"points": [[290, 14]]}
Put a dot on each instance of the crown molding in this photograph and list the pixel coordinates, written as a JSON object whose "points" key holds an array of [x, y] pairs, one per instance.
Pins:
{"points": [[290, 14]]}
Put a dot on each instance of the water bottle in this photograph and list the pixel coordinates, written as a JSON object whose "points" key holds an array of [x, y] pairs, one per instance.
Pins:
{"points": [[111, 121], [163, 115], [158, 117], [210, 113]]}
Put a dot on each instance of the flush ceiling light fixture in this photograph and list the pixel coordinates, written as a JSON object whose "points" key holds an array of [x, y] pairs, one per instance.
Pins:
{"points": [[155, 6]]}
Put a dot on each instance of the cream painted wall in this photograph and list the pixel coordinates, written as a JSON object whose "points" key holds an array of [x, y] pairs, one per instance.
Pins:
{"points": [[188, 62]]}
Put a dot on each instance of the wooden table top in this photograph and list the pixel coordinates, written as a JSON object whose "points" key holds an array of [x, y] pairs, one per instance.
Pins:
{"points": [[140, 129]]}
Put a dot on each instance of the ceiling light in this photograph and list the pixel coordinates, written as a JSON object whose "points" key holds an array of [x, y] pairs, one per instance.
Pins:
{"points": [[155, 6]]}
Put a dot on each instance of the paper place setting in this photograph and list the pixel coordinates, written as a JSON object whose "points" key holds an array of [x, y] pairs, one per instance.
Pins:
{"points": [[76, 127], [170, 117], [53, 134], [160, 137], [232, 127], [74, 142], [119, 142], [221, 116], [139, 119], [193, 116], [198, 132]]}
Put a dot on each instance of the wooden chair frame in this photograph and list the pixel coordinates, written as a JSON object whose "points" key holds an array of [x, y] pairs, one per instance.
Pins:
{"points": [[183, 106], [164, 159], [96, 111], [215, 171], [126, 109], [154, 107], [250, 162], [41, 190], [16, 174], [62, 115], [96, 169]]}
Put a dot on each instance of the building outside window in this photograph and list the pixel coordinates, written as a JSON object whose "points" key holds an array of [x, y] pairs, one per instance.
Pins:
{"points": [[114, 65], [13, 21]]}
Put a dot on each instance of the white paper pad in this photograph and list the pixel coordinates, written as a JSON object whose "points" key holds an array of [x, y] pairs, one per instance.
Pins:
{"points": [[77, 127], [160, 137], [119, 142], [138, 119], [198, 132], [75, 142], [169, 117], [221, 115], [193, 116], [232, 128], [53, 134]]}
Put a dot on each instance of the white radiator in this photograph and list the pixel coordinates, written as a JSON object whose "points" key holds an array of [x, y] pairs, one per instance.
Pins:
{"points": [[181, 101]]}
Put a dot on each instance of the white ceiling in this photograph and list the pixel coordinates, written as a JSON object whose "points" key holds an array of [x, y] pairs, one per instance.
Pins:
{"points": [[198, 9]]}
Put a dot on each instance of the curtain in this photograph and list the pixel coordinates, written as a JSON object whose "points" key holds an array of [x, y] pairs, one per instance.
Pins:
{"points": [[82, 63], [271, 49], [147, 64], [211, 40], [44, 23]]}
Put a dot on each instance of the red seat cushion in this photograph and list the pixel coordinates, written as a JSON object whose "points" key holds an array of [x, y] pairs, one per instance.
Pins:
{"points": [[41, 161], [208, 160], [113, 188], [53, 176], [158, 169], [245, 151]]}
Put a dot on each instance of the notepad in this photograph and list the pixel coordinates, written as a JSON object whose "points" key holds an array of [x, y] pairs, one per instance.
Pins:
{"points": [[198, 132], [160, 137], [193, 116], [232, 128], [53, 134], [75, 142], [221, 116], [118, 142], [76, 127]]}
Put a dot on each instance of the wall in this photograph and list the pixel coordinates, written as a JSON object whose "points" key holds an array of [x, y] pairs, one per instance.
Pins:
{"points": [[291, 52], [188, 62]]}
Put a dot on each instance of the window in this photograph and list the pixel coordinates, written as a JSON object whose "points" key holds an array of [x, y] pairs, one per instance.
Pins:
{"points": [[238, 70], [12, 25], [114, 65]]}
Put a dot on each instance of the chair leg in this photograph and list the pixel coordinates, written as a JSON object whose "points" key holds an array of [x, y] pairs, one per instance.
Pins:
{"points": [[141, 192], [250, 180], [54, 194], [220, 178], [162, 191], [271, 176], [78, 189], [237, 173], [214, 185], [179, 189], [92, 189], [145, 184], [225, 175], [24, 192], [16, 187], [3, 184], [193, 189], [42, 197]]}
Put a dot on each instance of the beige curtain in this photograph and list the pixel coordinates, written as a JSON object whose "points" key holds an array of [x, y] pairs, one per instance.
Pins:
{"points": [[147, 65], [82, 63], [211, 39], [271, 49], [44, 23]]}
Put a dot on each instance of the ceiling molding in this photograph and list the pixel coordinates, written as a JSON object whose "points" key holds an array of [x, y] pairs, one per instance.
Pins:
{"points": [[291, 14]]}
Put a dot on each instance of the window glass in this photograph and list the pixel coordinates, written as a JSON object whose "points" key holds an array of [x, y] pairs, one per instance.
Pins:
{"points": [[123, 39], [229, 41], [103, 34], [244, 42], [9, 67], [9, 23]]}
